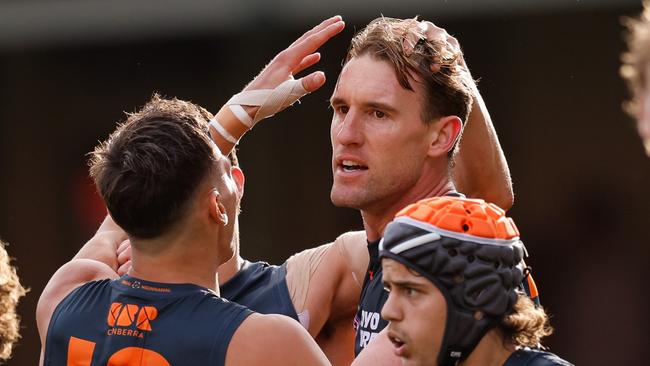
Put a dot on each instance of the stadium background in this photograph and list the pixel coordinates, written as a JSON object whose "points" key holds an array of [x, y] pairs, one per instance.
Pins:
{"points": [[549, 74]]}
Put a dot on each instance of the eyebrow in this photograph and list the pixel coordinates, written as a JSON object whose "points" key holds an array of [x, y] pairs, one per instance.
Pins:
{"points": [[369, 105], [405, 283]]}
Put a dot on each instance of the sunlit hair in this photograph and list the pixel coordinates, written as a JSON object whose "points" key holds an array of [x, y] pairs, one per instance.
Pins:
{"points": [[526, 325], [637, 59], [10, 292], [447, 90]]}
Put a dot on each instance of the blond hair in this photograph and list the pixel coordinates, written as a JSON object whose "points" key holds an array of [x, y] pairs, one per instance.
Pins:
{"points": [[637, 58], [527, 324], [10, 292]]}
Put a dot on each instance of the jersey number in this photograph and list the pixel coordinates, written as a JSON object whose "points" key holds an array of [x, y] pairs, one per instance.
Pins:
{"points": [[80, 353]]}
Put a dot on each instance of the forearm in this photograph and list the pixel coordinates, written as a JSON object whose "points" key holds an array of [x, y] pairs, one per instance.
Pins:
{"points": [[481, 168], [102, 247], [275, 88]]}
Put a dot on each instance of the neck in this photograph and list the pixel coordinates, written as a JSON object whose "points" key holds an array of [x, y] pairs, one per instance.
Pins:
{"points": [[187, 255], [376, 219], [492, 350], [227, 270]]}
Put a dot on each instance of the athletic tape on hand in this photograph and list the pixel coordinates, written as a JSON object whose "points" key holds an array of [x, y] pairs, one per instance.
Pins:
{"points": [[270, 101], [222, 131]]}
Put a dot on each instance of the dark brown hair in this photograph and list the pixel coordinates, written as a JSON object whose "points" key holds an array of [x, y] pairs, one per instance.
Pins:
{"points": [[447, 92], [149, 168]]}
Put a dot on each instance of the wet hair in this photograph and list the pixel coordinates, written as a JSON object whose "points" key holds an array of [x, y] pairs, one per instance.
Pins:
{"points": [[150, 168]]}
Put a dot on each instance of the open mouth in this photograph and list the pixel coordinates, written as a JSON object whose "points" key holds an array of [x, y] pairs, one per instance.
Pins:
{"points": [[351, 166], [398, 344]]}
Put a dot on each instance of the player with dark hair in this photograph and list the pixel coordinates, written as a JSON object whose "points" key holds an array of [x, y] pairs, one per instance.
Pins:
{"points": [[320, 287], [10, 293], [167, 185], [636, 71], [399, 107], [452, 268]]}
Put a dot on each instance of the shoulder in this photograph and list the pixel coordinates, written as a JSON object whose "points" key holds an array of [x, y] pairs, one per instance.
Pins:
{"points": [[529, 357], [273, 340], [353, 247], [67, 278]]}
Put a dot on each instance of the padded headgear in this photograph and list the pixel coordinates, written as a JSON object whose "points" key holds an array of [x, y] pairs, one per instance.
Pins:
{"points": [[471, 251]]}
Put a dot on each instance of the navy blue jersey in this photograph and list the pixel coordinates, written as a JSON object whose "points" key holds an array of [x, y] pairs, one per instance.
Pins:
{"points": [[368, 321], [260, 287], [132, 322], [529, 357]]}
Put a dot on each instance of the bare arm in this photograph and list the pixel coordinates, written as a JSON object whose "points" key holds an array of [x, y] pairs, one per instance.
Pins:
{"points": [[334, 285], [97, 259], [273, 340], [379, 352], [103, 246], [299, 56], [481, 167]]}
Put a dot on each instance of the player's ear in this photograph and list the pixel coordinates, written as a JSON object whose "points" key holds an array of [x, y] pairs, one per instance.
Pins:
{"points": [[217, 209], [444, 134], [238, 176]]}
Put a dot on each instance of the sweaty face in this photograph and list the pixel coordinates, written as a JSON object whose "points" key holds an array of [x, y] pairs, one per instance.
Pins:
{"points": [[379, 141], [417, 313], [643, 114]]}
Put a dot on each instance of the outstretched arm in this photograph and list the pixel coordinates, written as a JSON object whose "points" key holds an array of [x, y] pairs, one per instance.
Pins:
{"points": [[229, 127]]}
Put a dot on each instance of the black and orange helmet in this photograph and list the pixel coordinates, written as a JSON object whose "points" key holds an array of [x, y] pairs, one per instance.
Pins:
{"points": [[471, 251]]}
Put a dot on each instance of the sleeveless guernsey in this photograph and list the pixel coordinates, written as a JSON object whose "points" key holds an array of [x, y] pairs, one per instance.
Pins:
{"points": [[260, 287], [131, 322]]}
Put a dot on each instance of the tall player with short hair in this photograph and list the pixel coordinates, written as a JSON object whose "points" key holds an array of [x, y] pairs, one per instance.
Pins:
{"points": [[393, 133], [320, 287], [167, 185]]}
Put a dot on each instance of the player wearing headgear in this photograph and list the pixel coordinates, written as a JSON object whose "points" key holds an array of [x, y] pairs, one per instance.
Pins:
{"points": [[324, 283], [383, 122], [167, 185], [636, 71], [452, 268], [321, 286]]}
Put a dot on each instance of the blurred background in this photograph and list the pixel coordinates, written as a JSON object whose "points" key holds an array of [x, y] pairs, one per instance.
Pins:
{"points": [[549, 75]]}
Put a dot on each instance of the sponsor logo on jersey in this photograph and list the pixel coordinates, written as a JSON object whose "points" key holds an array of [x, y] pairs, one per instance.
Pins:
{"points": [[130, 319], [368, 325]]}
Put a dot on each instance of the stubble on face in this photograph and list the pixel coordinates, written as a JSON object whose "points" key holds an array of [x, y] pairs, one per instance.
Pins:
{"points": [[392, 148]]}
